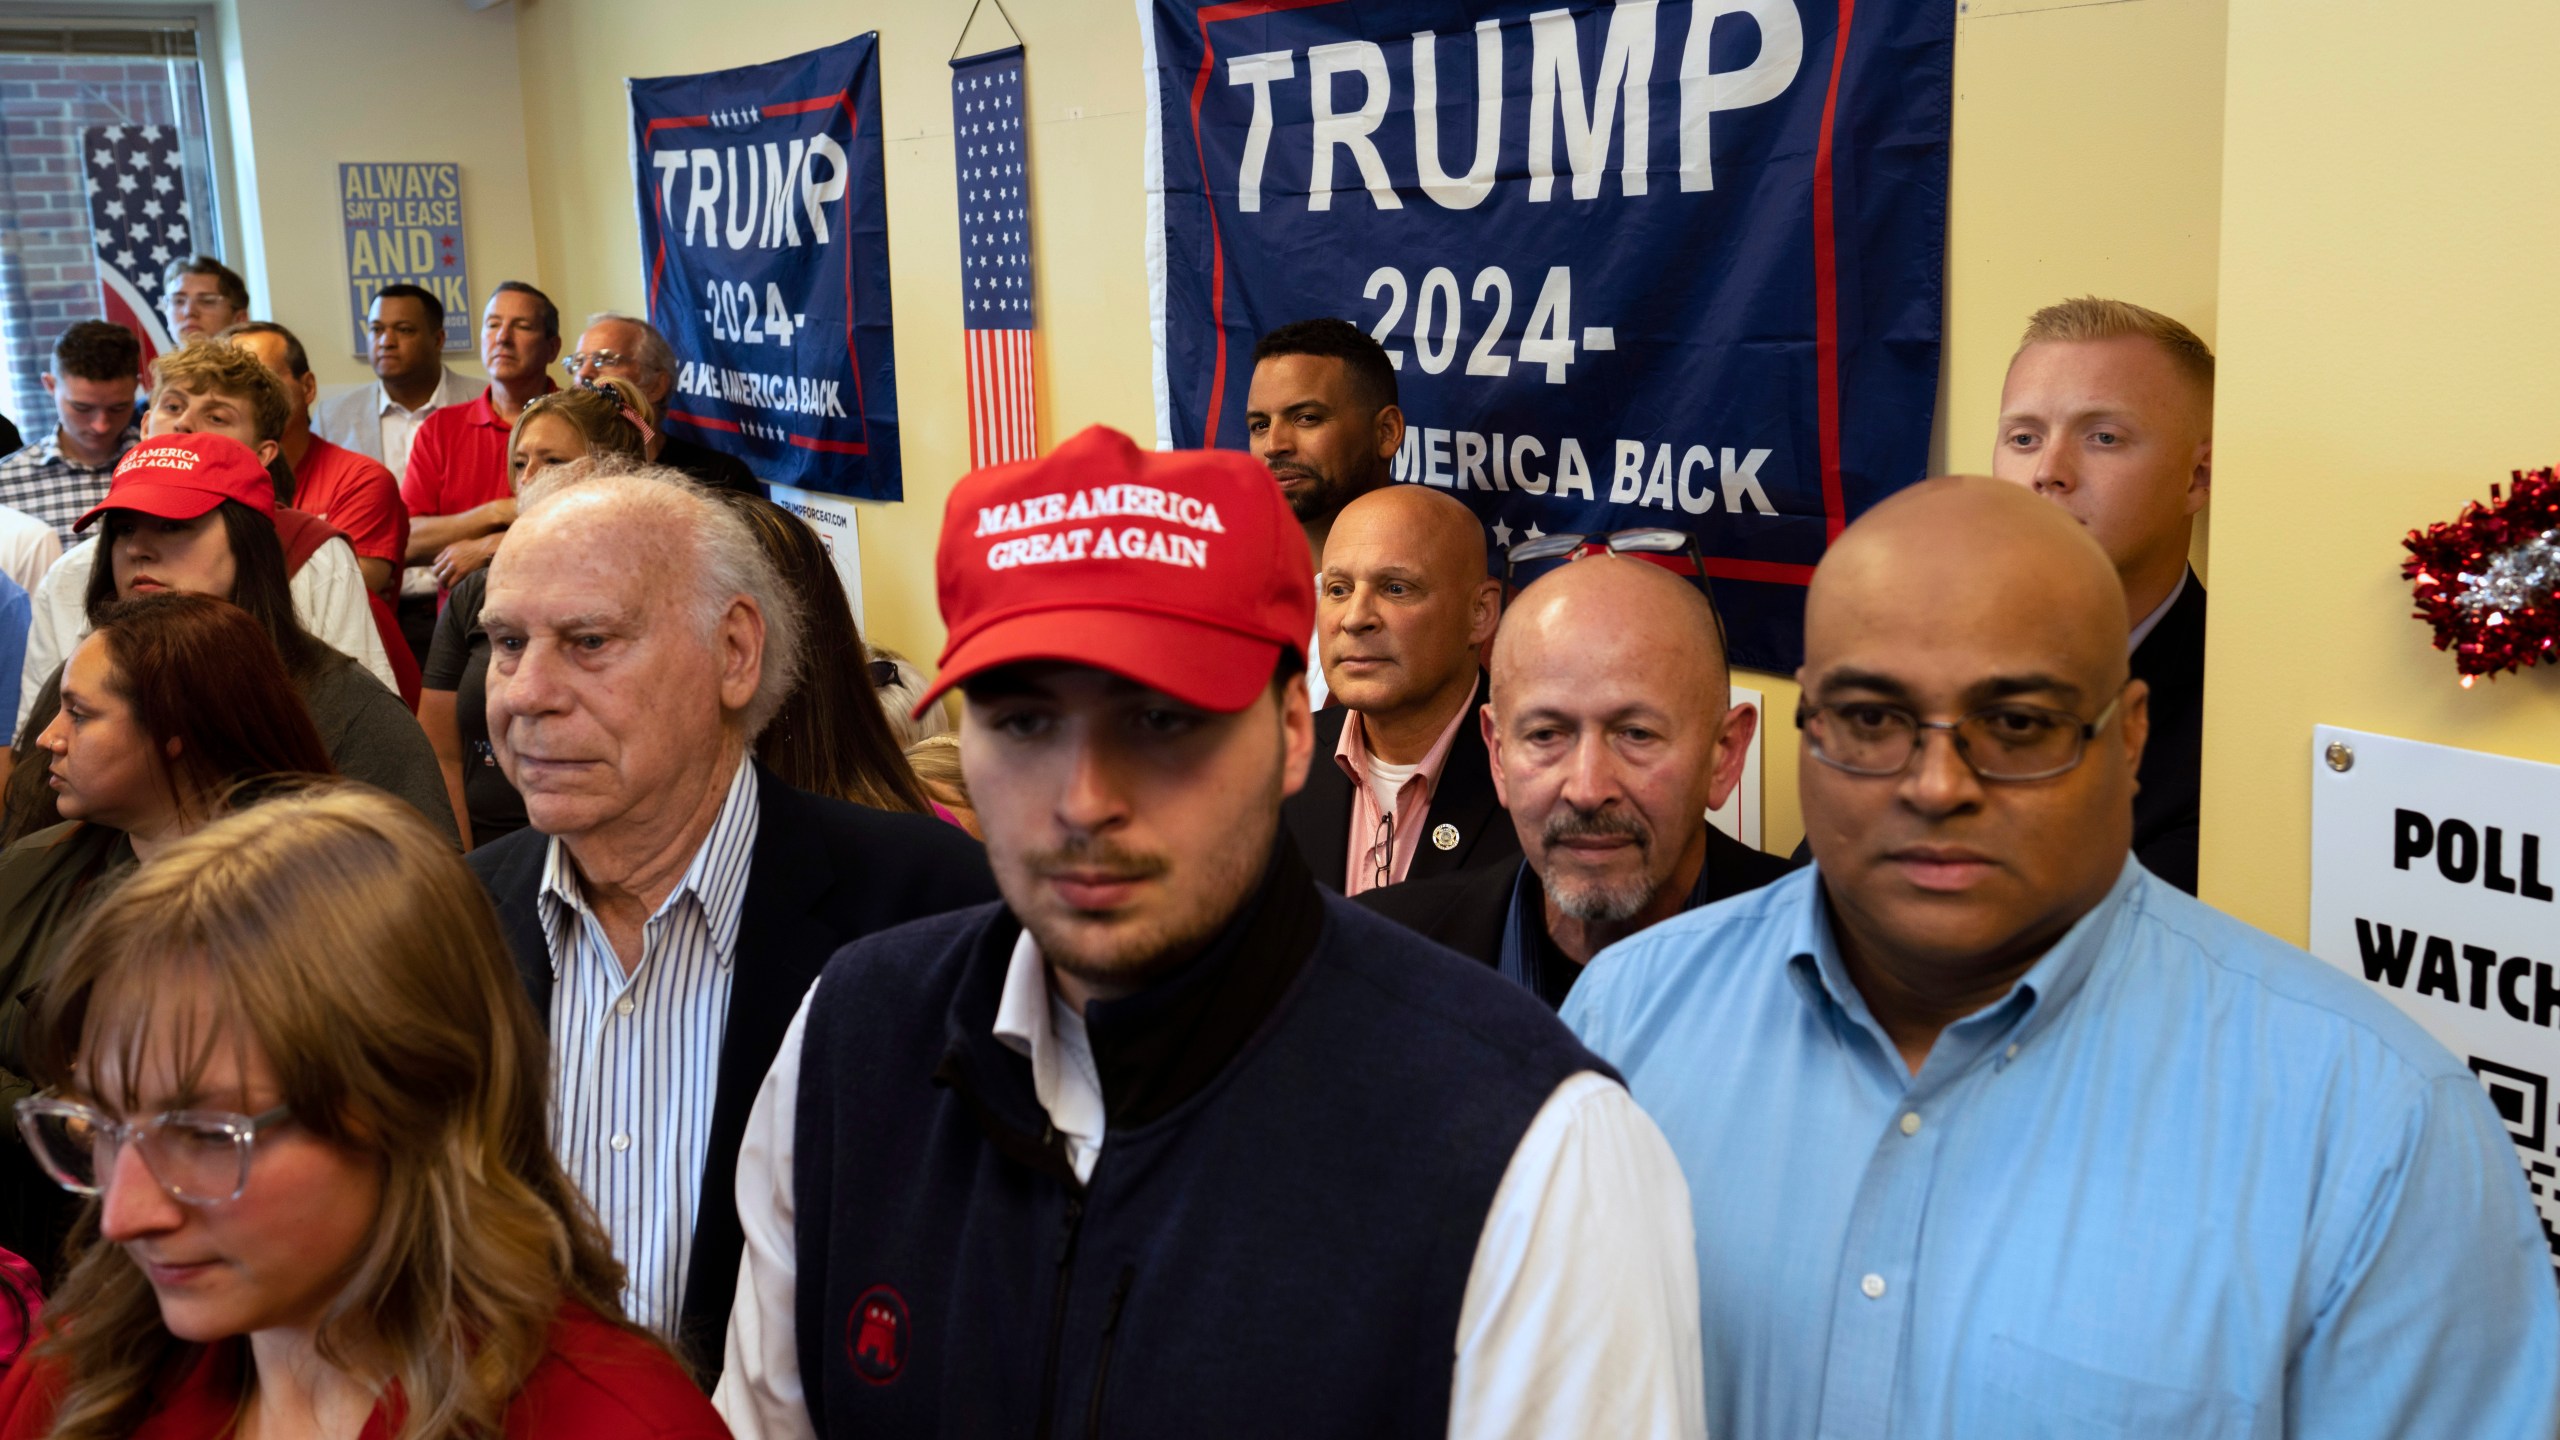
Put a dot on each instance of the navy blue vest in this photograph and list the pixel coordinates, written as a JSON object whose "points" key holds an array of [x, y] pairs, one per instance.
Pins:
{"points": [[1281, 1252]]}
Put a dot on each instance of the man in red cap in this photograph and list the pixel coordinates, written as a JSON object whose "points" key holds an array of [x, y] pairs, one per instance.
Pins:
{"points": [[1171, 1142]]}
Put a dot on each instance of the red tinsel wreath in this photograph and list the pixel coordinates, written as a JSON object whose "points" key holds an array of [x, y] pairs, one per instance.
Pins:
{"points": [[2490, 582]]}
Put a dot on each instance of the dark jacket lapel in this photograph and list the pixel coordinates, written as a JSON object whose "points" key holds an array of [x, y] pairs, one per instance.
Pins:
{"points": [[1318, 817], [783, 942], [1464, 800]]}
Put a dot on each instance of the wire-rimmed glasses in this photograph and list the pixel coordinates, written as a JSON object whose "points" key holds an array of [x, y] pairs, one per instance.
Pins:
{"points": [[1382, 851], [201, 1157], [2005, 742]]}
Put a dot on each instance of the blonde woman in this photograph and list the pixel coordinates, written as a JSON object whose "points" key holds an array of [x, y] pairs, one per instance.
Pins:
{"points": [[294, 1069]]}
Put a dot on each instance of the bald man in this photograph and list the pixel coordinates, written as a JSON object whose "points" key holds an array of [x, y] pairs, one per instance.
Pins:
{"points": [[1403, 608], [1990, 1131], [1612, 731]]}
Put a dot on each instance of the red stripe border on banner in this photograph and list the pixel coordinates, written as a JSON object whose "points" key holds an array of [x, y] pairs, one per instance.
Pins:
{"points": [[1826, 281]]}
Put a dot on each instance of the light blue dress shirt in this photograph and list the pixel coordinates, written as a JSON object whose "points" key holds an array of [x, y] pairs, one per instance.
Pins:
{"points": [[2183, 1180]]}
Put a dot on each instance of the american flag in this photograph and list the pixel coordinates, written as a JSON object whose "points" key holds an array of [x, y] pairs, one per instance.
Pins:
{"points": [[139, 219], [995, 256]]}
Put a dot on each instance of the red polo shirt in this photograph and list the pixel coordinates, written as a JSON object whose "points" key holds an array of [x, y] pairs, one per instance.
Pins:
{"points": [[459, 459], [356, 496]]}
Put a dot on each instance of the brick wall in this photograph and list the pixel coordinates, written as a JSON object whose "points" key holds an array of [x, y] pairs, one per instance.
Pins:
{"points": [[48, 272]]}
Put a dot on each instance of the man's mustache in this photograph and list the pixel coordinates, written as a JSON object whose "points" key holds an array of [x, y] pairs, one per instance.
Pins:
{"points": [[1575, 824]]}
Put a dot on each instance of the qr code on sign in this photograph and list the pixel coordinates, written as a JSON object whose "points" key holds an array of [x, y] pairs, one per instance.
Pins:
{"points": [[2523, 1100]]}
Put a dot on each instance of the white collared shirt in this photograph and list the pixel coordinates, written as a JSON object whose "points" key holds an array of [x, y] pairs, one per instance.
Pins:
{"points": [[1581, 1310], [635, 1061], [368, 421], [2151, 622]]}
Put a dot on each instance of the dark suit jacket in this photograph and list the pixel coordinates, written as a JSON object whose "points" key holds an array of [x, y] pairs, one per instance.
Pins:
{"points": [[1467, 911], [1318, 817], [2171, 660], [825, 874]]}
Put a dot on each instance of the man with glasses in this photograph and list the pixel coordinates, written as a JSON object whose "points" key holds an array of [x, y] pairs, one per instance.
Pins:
{"points": [[201, 297], [632, 348], [1612, 731], [1403, 608], [1990, 1131]]}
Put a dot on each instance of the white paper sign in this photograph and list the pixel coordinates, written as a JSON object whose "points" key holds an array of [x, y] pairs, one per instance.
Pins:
{"points": [[2433, 873], [1739, 816], [832, 516]]}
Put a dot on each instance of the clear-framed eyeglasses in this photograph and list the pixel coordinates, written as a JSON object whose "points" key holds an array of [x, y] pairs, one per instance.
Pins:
{"points": [[2002, 743], [201, 1157], [577, 360], [1676, 550]]}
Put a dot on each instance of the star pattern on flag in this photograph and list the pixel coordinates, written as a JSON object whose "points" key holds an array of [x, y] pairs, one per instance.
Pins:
{"points": [[987, 108], [138, 213], [1501, 534]]}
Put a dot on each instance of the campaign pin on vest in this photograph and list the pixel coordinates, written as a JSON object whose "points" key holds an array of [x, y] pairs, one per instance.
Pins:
{"points": [[1445, 836]]}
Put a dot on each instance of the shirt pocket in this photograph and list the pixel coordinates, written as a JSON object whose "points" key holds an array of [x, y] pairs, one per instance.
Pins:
{"points": [[2028, 1394]]}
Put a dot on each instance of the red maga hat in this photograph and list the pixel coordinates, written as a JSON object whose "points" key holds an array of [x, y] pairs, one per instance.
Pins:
{"points": [[1182, 570], [179, 477]]}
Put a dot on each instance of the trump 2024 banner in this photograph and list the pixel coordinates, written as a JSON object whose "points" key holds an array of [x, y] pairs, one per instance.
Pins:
{"points": [[764, 235], [1652, 262]]}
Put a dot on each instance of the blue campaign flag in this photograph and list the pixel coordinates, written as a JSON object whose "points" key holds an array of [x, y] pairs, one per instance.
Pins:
{"points": [[764, 234], [1651, 263]]}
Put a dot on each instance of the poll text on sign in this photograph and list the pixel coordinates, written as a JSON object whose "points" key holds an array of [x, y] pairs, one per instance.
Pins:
{"points": [[404, 227], [1635, 262], [2433, 875]]}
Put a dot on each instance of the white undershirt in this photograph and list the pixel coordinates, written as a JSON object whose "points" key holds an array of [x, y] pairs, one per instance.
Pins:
{"points": [[1581, 1309], [1386, 781]]}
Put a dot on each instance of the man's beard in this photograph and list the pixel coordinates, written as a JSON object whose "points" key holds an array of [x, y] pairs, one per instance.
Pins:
{"points": [[1323, 496], [1597, 901]]}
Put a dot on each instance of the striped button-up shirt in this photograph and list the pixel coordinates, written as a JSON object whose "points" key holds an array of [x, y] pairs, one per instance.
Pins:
{"points": [[635, 1060]]}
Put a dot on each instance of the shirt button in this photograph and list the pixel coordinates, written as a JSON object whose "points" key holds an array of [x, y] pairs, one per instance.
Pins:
{"points": [[624, 1006], [1872, 1287], [2013, 1052], [623, 1142], [1911, 1122]]}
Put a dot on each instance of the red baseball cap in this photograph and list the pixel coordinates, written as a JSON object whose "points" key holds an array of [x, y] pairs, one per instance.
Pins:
{"points": [[1183, 570], [179, 477]]}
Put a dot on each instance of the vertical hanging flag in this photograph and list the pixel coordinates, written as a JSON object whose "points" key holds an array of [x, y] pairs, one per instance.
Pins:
{"points": [[138, 220], [995, 255]]}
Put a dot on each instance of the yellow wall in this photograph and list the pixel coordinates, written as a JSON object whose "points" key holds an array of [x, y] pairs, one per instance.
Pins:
{"points": [[314, 83], [2087, 157], [1088, 220], [2387, 320]]}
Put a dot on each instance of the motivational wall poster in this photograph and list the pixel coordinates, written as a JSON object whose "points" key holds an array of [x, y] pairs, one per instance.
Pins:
{"points": [[2433, 876], [404, 227], [764, 237], [1650, 262]]}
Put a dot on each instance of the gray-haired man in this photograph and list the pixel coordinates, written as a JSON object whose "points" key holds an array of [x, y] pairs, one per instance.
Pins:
{"points": [[632, 348], [671, 901]]}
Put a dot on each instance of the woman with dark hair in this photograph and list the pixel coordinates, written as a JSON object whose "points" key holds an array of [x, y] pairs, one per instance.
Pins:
{"points": [[319, 1196], [169, 706], [830, 737], [196, 514]]}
